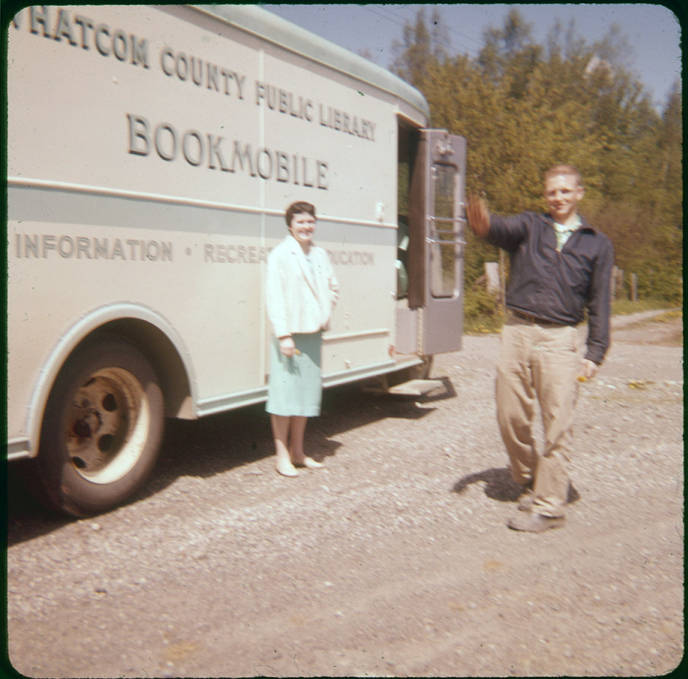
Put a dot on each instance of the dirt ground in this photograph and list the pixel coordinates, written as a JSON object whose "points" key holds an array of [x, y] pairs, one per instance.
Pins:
{"points": [[394, 560]]}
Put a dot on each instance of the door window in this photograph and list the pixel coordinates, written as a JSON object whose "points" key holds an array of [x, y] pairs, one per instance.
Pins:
{"points": [[443, 230]]}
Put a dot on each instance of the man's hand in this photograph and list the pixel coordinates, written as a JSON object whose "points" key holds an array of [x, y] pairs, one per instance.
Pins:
{"points": [[588, 369], [478, 216]]}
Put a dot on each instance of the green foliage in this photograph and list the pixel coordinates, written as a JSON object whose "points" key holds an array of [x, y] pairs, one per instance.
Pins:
{"points": [[420, 47], [476, 253], [626, 306], [482, 312], [524, 107], [654, 280]]}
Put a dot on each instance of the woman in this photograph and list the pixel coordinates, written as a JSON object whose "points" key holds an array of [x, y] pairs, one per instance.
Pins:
{"points": [[301, 294]]}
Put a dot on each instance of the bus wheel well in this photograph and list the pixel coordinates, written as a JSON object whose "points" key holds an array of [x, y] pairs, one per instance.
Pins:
{"points": [[163, 356]]}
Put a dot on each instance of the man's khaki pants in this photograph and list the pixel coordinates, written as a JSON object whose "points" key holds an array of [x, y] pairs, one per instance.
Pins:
{"points": [[538, 361]]}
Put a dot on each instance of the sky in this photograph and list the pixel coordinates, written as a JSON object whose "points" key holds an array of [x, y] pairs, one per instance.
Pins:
{"points": [[652, 31]]}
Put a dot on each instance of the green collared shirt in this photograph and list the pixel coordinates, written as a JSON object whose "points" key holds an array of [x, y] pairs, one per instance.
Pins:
{"points": [[563, 232]]}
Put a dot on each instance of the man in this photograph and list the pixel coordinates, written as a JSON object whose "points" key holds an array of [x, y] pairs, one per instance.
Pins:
{"points": [[560, 266]]}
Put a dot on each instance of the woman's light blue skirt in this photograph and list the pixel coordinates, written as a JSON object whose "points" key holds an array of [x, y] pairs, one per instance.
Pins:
{"points": [[295, 384]]}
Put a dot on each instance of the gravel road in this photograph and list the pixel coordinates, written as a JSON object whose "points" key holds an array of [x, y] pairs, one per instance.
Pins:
{"points": [[392, 561]]}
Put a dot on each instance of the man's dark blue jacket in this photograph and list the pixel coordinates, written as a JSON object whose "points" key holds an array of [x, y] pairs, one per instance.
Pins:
{"points": [[558, 286]]}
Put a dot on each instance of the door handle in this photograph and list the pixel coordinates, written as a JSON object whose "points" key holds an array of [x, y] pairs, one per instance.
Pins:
{"points": [[437, 241], [458, 220]]}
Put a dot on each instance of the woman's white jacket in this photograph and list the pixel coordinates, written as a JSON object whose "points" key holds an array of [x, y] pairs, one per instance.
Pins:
{"points": [[300, 295]]}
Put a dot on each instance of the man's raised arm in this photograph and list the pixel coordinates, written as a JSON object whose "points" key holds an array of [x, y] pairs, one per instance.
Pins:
{"points": [[478, 215]]}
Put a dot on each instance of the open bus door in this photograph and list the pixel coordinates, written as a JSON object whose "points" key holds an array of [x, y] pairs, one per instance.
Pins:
{"points": [[444, 219], [430, 320]]}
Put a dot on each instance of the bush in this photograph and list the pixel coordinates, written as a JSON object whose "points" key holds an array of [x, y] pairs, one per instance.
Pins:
{"points": [[623, 307], [660, 283], [482, 312]]}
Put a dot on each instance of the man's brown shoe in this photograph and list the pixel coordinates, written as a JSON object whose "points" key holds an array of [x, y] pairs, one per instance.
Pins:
{"points": [[525, 503], [535, 523]]}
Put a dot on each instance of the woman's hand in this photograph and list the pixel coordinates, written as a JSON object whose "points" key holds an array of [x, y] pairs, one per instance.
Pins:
{"points": [[287, 346]]}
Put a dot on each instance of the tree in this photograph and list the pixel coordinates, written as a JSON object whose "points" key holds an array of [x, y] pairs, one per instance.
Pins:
{"points": [[420, 49], [524, 107], [509, 53], [670, 156]]}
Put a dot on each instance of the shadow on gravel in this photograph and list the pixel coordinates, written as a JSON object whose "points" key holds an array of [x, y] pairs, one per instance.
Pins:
{"points": [[218, 443], [500, 486], [26, 517]]}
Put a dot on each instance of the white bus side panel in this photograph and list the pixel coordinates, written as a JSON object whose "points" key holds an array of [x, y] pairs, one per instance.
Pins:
{"points": [[147, 127], [151, 157]]}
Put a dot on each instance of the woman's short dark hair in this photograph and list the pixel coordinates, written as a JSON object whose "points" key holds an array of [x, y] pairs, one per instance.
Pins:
{"points": [[298, 207]]}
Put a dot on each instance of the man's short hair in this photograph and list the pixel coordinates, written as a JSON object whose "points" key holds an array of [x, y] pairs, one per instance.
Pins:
{"points": [[568, 170], [298, 207]]}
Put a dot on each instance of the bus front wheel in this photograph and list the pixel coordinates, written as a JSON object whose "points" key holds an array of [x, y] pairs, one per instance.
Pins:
{"points": [[102, 429]]}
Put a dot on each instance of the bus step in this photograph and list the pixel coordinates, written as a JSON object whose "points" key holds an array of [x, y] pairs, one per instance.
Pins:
{"points": [[410, 388], [415, 387]]}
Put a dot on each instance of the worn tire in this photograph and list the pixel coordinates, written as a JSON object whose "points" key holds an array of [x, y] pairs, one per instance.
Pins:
{"points": [[101, 431]]}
